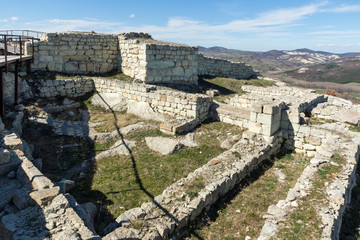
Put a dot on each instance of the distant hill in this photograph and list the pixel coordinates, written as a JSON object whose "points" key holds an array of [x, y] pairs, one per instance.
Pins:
{"points": [[342, 70], [274, 61]]}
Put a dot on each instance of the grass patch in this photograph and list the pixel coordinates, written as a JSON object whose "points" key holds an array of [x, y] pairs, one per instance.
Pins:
{"points": [[241, 215], [106, 118], [230, 86], [354, 128], [357, 95], [319, 121], [304, 222], [115, 185]]}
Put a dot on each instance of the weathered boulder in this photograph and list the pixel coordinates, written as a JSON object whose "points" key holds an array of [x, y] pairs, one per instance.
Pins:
{"points": [[113, 101]]}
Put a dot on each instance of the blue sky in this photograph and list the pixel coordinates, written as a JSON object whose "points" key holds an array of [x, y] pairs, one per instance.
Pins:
{"points": [[257, 25]]}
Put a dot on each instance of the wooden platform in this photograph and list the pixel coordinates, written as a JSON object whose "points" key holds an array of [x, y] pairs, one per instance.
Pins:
{"points": [[12, 59]]}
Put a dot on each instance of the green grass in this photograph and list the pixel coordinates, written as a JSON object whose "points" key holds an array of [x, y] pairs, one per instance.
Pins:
{"points": [[354, 128], [229, 86], [241, 215], [114, 185], [357, 95]]}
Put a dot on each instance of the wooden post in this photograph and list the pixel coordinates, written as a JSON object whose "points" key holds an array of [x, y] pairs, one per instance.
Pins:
{"points": [[16, 84], [2, 105]]}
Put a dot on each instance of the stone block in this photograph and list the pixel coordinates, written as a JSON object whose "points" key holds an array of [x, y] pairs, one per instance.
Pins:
{"points": [[256, 107], [71, 66], [265, 119], [13, 142], [269, 109], [43, 197]]}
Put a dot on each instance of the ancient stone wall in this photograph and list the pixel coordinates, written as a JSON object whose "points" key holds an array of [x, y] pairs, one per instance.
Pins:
{"points": [[157, 62], [162, 100], [223, 68], [59, 87], [74, 52], [133, 55], [171, 63]]}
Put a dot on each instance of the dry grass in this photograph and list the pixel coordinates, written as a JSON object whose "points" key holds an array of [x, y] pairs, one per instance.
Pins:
{"points": [[241, 215]]}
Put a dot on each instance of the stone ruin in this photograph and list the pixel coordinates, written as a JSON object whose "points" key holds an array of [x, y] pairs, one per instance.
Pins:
{"points": [[135, 54], [277, 117]]}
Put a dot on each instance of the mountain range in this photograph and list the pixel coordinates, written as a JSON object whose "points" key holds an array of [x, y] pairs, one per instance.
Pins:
{"points": [[275, 61]]}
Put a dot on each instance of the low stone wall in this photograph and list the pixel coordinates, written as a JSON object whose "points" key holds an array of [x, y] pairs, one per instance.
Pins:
{"points": [[223, 68], [170, 102], [76, 52], [65, 87]]}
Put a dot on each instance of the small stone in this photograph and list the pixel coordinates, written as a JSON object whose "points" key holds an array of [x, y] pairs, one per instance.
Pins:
{"points": [[4, 156], [70, 114], [214, 162]]}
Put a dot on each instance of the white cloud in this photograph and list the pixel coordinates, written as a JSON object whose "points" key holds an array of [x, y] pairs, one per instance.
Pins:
{"points": [[14, 18], [132, 15], [345, 8]]}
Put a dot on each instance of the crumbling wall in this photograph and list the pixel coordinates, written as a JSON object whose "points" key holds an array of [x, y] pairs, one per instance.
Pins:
{"points": [[223, 68], [76, 52], [162, 100]]}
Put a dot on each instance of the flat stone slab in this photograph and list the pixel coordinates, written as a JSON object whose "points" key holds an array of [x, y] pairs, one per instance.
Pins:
{"points": [[167, 146], [113, 101], [121, 147]]}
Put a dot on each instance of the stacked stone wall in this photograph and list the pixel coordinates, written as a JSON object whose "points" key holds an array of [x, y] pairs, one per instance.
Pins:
{"points": [[135, 54], [65, 87], [223, 68], [171, 63], [165, 101], [73, 52], [132, 56]]}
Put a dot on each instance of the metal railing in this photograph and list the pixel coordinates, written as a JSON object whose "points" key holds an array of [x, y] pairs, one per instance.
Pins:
{"points": [[15, 45], [24, 33]]}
